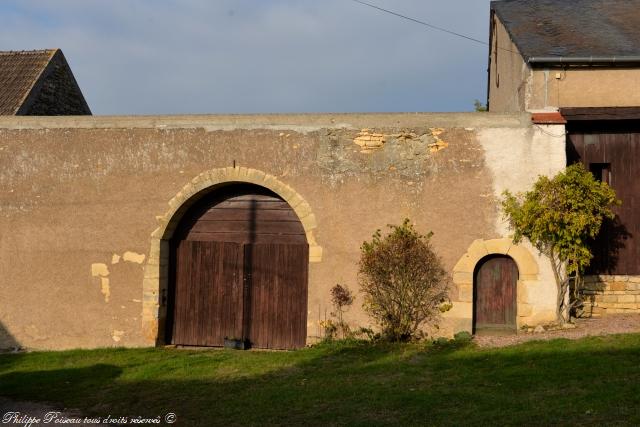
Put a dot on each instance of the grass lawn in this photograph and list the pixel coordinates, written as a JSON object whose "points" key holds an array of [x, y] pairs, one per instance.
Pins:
{"points": [[590, 381]]}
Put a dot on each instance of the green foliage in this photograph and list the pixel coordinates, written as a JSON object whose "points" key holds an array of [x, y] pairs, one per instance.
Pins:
{"points": [[462, 336], [479, 106], [402, 280], [560, 216]]}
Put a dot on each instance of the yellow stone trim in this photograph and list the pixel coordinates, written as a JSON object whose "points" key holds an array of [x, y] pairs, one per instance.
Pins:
{"points": [[527, 265], [465, 267], [157, 266]]}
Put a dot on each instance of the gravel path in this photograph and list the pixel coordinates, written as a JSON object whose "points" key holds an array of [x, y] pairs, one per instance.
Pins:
{"points": [[611, 324]]}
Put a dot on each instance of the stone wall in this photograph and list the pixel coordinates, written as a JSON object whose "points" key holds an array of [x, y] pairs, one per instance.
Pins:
{"points": [[509, 76], [87, 205], [605, 294]]}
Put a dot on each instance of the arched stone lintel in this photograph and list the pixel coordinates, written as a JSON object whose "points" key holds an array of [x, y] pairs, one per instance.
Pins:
{"points": [[157, 266], [216, 177], [465, 267]]}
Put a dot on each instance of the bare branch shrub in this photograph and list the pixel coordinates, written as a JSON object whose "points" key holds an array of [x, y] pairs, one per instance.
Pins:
{"points": [[341, 298]]}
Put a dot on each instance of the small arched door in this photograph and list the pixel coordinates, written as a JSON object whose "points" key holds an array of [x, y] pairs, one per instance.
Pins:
{"points": [[239, 263], [495, 296]]}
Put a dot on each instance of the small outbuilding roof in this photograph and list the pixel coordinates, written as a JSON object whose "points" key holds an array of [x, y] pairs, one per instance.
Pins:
{"points": [[573, 31], [38, 82]]}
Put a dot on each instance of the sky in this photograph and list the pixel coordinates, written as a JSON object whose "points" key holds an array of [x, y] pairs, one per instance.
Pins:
{"points": [[259, 56]]}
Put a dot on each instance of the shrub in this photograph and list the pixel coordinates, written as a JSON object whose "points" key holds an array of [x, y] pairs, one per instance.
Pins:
{"points": [[462, 336], [403, 281], [329, 329], [341, 298]]}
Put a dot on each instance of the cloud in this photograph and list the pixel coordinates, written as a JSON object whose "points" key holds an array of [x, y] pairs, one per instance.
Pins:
{"points": [[198, 56]]}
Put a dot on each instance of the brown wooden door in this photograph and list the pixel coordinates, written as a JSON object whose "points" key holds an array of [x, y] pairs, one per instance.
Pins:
{"points": [[240, 271], [495, 294], [611, 151], [208, 293], [276, 314]]}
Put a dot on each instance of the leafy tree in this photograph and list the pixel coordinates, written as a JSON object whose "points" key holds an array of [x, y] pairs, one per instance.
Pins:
{"points": [[479, 107], [560, 216], [403, 281]]}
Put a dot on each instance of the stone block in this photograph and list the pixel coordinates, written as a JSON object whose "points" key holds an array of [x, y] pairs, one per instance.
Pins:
{"points": [[498, 246], [595, 286], [315, 253], [150, 284], [303, 210], [460, 277], [198, 187], [525, 310], [295, 201], [451, 326], [99, 270], [272, 183], [309, 222], [314, 260], [607, 298], [527, 264], [311, 239], [607, 305], [477, 250], [618, 286], [460, 310], [465, 292], [626, 298], [255, 175], [626, 306], [465, 264], [152, 271], [286, 192]]}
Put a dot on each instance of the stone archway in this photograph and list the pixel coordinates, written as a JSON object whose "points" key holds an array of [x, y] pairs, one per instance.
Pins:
{"points": [[156, 271], [463, 272]]}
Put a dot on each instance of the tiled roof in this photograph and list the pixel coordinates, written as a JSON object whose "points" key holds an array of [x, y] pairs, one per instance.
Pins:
{"points": [[19, 72], [572, 28]]}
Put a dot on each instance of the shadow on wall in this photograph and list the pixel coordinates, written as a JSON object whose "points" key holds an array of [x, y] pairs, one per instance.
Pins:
{"points": [[607, 246], [7, 341]]}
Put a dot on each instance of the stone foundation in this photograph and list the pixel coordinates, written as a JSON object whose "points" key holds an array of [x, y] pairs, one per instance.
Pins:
{"points": [[611, 294]]}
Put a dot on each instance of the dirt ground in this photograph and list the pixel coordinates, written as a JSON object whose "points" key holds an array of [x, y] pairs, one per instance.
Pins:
{"points": [[612, 324]]}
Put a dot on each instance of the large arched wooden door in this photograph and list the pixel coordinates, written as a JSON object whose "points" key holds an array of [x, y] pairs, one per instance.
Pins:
{"points": [[239, 271], [495, 296]]}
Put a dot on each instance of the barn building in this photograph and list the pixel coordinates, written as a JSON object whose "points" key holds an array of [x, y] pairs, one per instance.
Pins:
{"points": [[578, 63]]}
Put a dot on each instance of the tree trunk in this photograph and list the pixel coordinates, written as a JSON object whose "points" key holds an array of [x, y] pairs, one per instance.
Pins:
{"points": [[561, 287]]}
